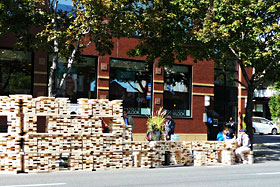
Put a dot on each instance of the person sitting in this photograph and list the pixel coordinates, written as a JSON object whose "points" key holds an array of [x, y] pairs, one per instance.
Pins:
{"points": [[223, 135], [243, 141]]}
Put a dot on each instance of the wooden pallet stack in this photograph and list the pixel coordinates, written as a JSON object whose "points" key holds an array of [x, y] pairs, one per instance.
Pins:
{"points": [[187, 155], [63, 106], [153, 154], [5, 103], [85, 108], [227, 154], [10, 142], [48, 105], [80, 137], [10, 153], [204, 153]]}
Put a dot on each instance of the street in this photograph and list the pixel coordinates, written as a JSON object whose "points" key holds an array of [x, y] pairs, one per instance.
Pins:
{"points": [[260, 139], [259, 174], [266, 147]]}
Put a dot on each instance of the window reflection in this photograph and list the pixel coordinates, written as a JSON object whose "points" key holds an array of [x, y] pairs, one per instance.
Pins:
{"points": [[177, 90], [16, 69], [130, 81], [81, 82]]}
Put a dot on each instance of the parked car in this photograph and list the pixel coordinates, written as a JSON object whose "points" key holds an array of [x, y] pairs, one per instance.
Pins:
{"points": [[265, 126]]}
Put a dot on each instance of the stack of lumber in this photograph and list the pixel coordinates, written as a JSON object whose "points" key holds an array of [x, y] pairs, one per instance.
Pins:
{"points": [[213, 152], [11, 152], [227, 154], [204, 153], [80, 137]]}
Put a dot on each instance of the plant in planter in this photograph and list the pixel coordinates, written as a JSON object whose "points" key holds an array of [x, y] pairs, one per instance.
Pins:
{"points": [[155, 126]]}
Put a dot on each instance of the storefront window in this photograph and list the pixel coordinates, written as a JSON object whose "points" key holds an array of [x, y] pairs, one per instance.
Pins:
{"points": [[177, 90], [81, 83], [131, 81], [15, 72]]}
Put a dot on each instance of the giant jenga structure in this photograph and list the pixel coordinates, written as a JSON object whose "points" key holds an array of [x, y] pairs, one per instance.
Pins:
{"points": [[36, 132]]}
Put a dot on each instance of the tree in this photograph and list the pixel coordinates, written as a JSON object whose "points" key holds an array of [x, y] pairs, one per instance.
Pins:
{"points": [[274, 102], [220, 30], [247, 31], [62, 33], [17, 16]]}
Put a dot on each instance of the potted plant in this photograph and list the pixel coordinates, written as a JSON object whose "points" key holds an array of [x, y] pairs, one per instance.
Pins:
{"points": [[155, 126]]}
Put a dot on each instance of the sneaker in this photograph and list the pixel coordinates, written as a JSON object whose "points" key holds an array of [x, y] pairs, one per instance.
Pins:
{"points": [[245, 162]]}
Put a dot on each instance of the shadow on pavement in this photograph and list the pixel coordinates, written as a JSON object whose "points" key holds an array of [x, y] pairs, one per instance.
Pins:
{"points": [[267, 152], [266, 139]]}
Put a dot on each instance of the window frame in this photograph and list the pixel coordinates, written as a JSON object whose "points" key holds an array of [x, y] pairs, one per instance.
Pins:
{"points": [[152, 83], [96, 71], [190, 92]]}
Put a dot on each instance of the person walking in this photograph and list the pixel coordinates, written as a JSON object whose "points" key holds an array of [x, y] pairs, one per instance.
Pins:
{"points": [[243, 141], [128, 120], [169, 127]]}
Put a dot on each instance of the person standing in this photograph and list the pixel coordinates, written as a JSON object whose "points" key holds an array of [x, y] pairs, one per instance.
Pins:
{"points": [[169, 127], [244, 142], [70, 89], [128, 120], [232, 128]]}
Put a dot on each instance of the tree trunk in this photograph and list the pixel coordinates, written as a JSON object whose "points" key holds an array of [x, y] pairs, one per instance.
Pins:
{"points": [[51, 84], [70, 63], [248, 115]]}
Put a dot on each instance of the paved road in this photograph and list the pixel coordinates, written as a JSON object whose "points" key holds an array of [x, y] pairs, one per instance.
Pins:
{"points": [[259, 139], [259, 174], [266, 148]]}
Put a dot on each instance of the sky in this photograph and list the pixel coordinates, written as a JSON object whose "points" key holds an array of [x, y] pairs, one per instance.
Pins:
{"points": [[65, 2]]}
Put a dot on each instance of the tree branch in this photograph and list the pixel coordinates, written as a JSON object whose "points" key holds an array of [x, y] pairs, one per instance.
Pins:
{"points": [[270, 65], [70, 62], [243, 70], [134, 87], [236, 80]]}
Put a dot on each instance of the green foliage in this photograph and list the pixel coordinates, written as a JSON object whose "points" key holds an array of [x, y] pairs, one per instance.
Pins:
{"points": [[157, 122], [245, 30], [168, 31], [39, 24], [274, 103]]}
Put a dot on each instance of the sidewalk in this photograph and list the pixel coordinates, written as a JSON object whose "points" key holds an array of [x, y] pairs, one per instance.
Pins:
{"points": [[267, 152]]}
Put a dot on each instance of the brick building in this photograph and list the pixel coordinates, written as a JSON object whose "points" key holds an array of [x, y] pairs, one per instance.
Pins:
{"points": [[181, 89]]}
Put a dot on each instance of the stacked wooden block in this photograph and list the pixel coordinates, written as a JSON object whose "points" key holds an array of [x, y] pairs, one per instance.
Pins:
{"points": [[158, 153], [10, 153], [5, 105], [214, 152], [227, 153], [11, 142], [80, 137], [204, 153], [100, 107]]}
